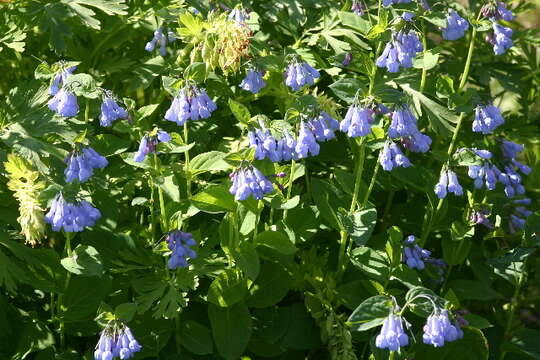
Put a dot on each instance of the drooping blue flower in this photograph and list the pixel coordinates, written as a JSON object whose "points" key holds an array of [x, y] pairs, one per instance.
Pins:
{"points": [[448, 182], [357, 121], [81, 164], [439, 330], [253, 81], [60, 79], [387, 3], [249, 181], [306, 143], [116, 340], [496, 11], [501, 39], [417, 142], [287, 147], [111, 111], [413, 255], [407, 16], [71, 217], [148, 144], [487, 118], [392, 335], [347, 59], [299, 74], [455, 26], [519, 214], [180, 244], [357, 8], [190, 103], [510, 177], [265, 144], [400, 51], [64, 103], [323, 126], [504, 13], [404, 123], [391, 156], [160, 39]]}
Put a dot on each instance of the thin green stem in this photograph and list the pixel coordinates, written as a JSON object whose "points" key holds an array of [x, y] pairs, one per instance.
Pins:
{"points": [[153, 225], [164, 219], [360, 157], [186, 165], [424, 70], [289, 186], [371, 184], [87, 111], [67, 251], [260, 206], [452, 145]]}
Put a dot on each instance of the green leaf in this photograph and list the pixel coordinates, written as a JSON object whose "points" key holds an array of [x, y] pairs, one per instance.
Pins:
{"points": [[196, 71], [126, 311], [374, 263], [83, 297], [240, 111], [511, 266], [85, 261], [108, 145], [427, 62], [271, 286], [360, 224], [421, 306], [370, 313], [214, 199], [474, 290], [208, 161], [196, 338], [231, 329], [455, 252], [354, 21], [525, 341], [328, 201], [473, 346], [247, 259], [228, 288], [440, 118], [394, 245], [276, 240], [346, 88]]}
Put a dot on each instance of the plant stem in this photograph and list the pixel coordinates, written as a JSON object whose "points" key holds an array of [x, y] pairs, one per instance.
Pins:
{"points": [[424, 71], [360, 157], [289, 187], [186, 165], [67, 251], [162, 209], [87, 111], [452, 145], [371, 184], [260, 207], [178, 336]]}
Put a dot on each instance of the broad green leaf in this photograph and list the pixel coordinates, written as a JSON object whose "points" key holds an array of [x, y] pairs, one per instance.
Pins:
{"points": [[247, 259], [126, 311], [270, 287], [214, 199], [196, 338], [231, 329], [228, 288], [421, 306], [473, 346], [374, 263], [370, 313], [276, 240], [359, 225], [84, 261], [240, 111], [346, 88], [474, 290], [83, 297], [208, 161], [511, 266]]}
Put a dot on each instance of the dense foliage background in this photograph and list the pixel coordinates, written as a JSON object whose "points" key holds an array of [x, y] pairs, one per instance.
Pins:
{"points": [[278, 278]]}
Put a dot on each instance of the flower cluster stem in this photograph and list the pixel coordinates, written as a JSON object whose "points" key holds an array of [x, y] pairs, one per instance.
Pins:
{"points": [[289, 186]]}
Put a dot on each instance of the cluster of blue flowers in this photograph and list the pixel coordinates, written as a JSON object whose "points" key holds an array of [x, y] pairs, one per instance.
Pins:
{"points": [[501, 38], [455, 26], [248, 180], [439, 330], [160, 39], [519, 214], [392, 335], [239, 14], [487, 118], [448, 182], [111, 111], [404, 125], [253, 82], [149, 142], [64, 101], [317, 128], [116, 341], [400, 50], [81, 164], [413, 255], [300, 73], [391, 156], [71, 217], [180, 244], [190, 103], [357, 121]]}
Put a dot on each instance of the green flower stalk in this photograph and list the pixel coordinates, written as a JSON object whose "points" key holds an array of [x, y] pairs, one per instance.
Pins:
{"points": [[24, 182]]}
